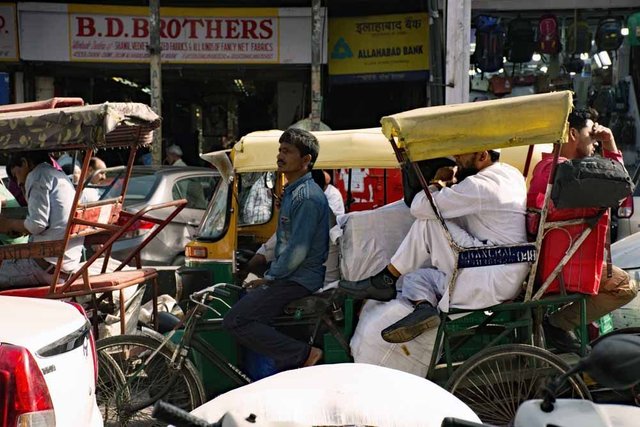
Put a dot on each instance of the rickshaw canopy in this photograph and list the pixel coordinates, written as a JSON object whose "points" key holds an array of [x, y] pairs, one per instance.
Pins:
{"points": [[447, 130], [105, 125], [359, 148]]}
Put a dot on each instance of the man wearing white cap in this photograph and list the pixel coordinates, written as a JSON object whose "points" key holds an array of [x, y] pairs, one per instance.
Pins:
{"points": [[174, 156], [486, 206]]}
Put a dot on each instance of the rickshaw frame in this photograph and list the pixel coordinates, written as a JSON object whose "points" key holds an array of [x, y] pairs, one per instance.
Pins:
{"points": [[62, 124]]}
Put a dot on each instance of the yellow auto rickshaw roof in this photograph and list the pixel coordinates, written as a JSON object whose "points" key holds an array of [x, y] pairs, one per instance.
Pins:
{"points": [[446, 130], [359, 148]]}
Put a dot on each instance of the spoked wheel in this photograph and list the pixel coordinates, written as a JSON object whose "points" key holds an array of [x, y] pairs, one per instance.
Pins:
{"points": [[494, 382], [141, 381], [110, 388]]}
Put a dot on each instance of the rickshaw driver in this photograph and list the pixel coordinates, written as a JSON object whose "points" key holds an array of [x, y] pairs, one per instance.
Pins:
{"points": [[50, 196], [302, 240], [487, 207], [613, 292]]}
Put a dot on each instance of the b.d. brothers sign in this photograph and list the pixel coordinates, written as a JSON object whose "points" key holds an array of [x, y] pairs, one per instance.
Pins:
{"points": [[188, 35]]}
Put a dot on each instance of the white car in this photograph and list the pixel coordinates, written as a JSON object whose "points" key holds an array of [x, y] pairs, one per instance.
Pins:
{"points": [[48, 367]]}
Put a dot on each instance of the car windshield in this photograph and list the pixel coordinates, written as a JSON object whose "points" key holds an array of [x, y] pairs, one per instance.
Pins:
{"points": [[215, 218]]}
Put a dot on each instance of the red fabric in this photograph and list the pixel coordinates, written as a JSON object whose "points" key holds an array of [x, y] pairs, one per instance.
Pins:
{"points": [[583, 271]]}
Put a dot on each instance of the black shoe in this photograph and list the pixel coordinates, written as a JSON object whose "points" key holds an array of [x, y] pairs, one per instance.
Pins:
{"points": [[381, 287], [423, 318], [564, 341]]}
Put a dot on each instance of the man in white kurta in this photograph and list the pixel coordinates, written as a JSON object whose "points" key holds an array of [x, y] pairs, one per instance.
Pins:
{"points": [[486, 208]]}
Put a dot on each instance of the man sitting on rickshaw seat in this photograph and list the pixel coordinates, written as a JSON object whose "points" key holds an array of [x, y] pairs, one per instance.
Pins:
{"points": [[612, 292], [486, 207], [49, 194], [297, 271]]}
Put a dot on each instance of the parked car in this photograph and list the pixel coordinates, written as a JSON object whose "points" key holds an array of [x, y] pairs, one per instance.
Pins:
{"points": [[48, 367], [150, 185]]}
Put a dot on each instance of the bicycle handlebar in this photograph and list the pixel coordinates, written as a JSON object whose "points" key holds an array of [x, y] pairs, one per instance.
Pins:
{"points": [[171, 414], [217, 288]]}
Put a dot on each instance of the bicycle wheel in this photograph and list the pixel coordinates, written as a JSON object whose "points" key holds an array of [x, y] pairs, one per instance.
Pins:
{"points": [[145, 382], [111, 381], [496, 381], [631, 330]]}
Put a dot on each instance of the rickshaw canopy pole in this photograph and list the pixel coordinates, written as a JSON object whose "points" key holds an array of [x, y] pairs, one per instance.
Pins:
{"points": [[446, 130]]}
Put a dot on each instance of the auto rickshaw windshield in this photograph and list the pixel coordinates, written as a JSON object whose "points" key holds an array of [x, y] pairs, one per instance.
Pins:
{"points": [[215, 219]]}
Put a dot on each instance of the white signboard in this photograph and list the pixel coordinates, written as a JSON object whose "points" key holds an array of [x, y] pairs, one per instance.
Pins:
{"points": [[91, 33], [8, 33]]}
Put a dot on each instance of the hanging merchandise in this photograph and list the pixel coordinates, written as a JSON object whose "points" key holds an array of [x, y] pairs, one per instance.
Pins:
{"points": [[633, 23], [548, 34], [490, 37], [500, 85], [579, 38], [609, 34], [521, 42]]}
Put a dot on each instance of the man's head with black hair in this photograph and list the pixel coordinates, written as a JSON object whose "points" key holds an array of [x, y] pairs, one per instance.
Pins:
{"points": [[297, 153]]}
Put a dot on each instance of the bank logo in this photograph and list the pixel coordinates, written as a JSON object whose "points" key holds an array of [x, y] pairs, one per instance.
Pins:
{"points": [[341, 50]]}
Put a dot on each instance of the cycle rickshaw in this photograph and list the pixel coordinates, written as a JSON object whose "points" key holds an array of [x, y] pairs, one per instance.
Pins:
{"points": [[414, 136], [66, 124]]}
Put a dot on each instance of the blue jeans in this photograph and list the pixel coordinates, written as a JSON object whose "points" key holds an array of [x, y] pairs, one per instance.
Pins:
{"points": [[249, 321]]}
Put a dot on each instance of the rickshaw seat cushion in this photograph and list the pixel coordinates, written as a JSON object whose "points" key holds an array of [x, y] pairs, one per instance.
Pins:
{"points": [[99, 283], [312, 304]]}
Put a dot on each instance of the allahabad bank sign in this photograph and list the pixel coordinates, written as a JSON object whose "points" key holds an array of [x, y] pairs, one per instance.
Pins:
{"points": [[383, 47], [121, 34]]}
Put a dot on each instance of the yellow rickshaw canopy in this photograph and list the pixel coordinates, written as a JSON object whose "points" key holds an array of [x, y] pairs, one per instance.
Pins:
{"points": [[446, 130], [359, 148]]}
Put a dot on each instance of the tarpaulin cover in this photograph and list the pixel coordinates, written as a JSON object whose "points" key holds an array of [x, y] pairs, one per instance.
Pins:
{"points": [[360, 148], [446, 130], [91, 126]]}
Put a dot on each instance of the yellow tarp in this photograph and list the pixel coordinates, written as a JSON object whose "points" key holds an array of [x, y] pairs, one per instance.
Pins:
{"points": [[466, 128], [360, 148]]}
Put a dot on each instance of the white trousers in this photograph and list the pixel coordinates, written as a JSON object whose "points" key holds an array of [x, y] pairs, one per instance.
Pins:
{"points": [[426, 261], [22, 273]]}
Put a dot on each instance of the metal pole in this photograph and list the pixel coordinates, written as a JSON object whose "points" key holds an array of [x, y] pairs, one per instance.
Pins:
{"points": [[457, 56], [156, 76], [316, 61]]}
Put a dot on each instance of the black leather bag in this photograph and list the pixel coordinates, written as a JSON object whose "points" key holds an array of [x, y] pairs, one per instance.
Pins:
{"points": [[591, 182]]}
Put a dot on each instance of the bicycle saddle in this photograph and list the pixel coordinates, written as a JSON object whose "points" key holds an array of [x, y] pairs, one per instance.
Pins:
{"points": [[313, 304]]}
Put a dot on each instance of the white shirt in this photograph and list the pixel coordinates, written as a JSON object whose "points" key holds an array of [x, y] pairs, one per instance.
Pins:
{"points": [[49, 194], [334, 197], [489, 205], [179, 162]]}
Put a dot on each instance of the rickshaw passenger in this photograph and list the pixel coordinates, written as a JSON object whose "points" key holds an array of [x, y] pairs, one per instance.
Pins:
{"points": [[614, 292], [485, 208], [297, 270], [50, 196]]}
